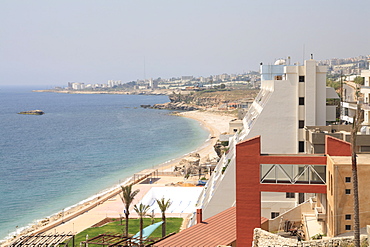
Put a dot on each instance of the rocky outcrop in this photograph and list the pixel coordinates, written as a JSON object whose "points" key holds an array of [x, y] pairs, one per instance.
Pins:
{"points": [[263, 238], [175, 106], [189, 165], [33, 112]]}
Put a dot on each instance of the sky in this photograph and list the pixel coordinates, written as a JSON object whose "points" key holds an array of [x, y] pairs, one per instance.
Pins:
{"points": [[51, 43]]}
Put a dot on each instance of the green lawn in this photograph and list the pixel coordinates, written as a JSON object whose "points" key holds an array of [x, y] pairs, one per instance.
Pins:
{"points": [[173, 225]]}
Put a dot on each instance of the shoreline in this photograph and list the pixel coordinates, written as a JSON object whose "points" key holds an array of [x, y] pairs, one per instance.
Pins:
{"points": [[213, 122], [130, 92]]}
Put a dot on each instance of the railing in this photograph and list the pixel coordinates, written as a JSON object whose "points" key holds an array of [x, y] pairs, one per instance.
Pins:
{"points": [[293, 174]]}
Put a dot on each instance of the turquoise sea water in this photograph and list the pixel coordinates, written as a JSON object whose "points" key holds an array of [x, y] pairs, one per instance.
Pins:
{"points": [[82, 145]]}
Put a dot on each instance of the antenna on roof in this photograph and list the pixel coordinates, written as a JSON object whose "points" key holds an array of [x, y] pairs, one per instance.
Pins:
{"points": [[303, 52]]}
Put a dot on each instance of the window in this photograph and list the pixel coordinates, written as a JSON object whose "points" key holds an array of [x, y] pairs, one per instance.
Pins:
{"points": [[301, 100], [301, 146], [331, 184], [274, 215], [301, 78], [348, 179], [365, 149], [301, 124], [348, 191], [348, 227], [290, 195], [348, 217]]}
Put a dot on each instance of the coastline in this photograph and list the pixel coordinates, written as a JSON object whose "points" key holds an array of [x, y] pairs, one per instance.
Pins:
{"points": [[133, 92], [77, 217]]}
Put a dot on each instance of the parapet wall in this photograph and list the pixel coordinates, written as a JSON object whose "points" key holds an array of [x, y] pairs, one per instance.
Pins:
{"points": [[294, 213]]}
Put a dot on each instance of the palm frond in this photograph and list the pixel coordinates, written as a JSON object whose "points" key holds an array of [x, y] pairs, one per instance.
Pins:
{"points": [[142, 209], [163, 204], [128, 195]]}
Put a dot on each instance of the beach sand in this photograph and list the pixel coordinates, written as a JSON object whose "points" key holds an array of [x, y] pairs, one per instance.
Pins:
{"points": [[110, 205]]}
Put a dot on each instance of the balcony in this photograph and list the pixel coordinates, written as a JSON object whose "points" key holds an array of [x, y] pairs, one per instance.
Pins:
{"points": [[312, 201], [320, 215], [365, 91], [365, 106], [319, 138]]}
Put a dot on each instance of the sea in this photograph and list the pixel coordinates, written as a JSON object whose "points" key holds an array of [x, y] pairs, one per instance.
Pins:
{"points": [[83, 145]]}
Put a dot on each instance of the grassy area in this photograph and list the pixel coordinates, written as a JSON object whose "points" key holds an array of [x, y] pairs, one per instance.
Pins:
{"points": [[173, 225]]}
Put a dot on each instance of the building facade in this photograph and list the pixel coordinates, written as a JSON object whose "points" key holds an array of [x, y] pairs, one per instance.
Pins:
{"points": [[290, 98], [328, 175]]}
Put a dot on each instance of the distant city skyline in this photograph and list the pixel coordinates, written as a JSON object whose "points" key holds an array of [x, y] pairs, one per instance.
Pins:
{"points": [[50, 43]]}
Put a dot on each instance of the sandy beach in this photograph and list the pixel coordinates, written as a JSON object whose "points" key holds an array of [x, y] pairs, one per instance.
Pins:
{"points": [[110, 205]]}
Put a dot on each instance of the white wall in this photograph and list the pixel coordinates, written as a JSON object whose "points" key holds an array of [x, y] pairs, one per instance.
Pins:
{"points": [[310, 94], [278, 122], [331, 113], [223, 195], [321, 95], [275, 202]]}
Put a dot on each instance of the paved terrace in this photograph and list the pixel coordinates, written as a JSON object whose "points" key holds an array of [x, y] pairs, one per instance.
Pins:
{"points": [[113, 207]]}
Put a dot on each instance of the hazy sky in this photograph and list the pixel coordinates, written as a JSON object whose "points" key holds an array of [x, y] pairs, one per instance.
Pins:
{"points": [[50, 42]]}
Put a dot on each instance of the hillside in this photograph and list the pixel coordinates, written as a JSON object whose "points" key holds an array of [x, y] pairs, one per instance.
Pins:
{"points": [[213, 98]]}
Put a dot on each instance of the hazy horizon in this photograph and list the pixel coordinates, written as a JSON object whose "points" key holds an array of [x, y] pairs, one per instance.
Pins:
{"points": [[49, 43]]}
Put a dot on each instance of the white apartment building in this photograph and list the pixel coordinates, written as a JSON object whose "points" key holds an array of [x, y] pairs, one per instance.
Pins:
{"points": [[290, 98], [365, 90], [349, 108], [78, 85]]}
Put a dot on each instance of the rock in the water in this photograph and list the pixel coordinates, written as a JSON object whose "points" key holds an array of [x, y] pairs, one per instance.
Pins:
{"points": [[33, 112], [145, 106]]}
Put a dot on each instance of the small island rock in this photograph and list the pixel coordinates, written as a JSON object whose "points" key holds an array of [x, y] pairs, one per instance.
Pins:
{"points": [[33, 112]]}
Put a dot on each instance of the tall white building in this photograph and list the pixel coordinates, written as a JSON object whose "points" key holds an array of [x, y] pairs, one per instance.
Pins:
{"points": [[290, 98], [349, 107], [365, 90]]}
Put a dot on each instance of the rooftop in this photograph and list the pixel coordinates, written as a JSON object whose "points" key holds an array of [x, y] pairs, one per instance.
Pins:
{"points": [[217, 230]]}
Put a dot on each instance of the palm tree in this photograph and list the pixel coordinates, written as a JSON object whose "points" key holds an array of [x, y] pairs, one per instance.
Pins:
{"points": [[357, 119], [142, 211], [127, 197], [163, 206]]}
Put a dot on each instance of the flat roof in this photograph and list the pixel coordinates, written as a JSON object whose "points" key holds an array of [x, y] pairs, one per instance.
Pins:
{"points": [[362, 159]]}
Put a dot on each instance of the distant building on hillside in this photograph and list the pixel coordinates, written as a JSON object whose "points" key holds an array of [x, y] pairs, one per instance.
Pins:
{"points": [[186, 78], [78, 86]]}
